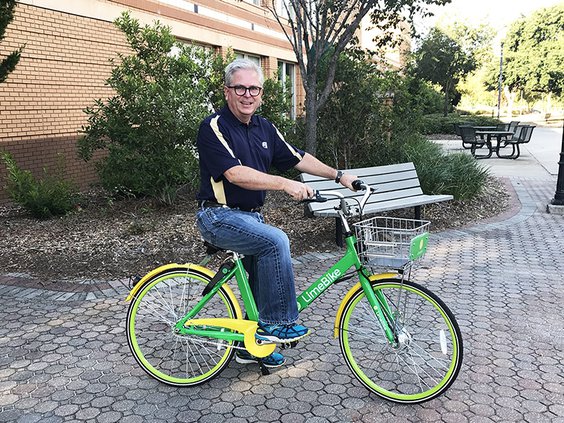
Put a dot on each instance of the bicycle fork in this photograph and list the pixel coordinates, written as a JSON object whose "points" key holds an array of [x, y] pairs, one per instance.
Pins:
{"points": [[380, 307]]}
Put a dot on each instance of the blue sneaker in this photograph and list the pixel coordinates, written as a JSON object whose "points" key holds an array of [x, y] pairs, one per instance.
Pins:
{"points": [[281, 333], [273, 360]]}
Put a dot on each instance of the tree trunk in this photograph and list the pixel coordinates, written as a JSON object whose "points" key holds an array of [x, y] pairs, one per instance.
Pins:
{"points": [[445, 109], [311, 123]]}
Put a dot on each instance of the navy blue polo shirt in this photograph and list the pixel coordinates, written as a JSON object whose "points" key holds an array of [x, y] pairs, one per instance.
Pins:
{"points": [[224, 141]]}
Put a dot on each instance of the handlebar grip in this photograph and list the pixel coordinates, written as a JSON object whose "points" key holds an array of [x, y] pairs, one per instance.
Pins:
{"points": [[358, 185], [317, 198]]}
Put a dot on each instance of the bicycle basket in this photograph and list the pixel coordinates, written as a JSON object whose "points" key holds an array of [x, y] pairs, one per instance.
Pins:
{"points": [[389, 242]]}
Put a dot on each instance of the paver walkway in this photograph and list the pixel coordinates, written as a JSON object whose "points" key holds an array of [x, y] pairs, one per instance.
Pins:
{"points": [[64, 357]]}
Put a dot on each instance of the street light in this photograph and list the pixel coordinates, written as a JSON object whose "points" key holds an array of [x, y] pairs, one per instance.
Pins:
{"points": [[558, 199], [500, 81]]}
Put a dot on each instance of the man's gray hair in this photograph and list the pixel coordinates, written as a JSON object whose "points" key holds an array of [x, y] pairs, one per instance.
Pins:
{"points": [[242, 64]]}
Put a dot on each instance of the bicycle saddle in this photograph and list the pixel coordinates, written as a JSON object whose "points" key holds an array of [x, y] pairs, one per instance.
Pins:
{"points": [[212, 249]]}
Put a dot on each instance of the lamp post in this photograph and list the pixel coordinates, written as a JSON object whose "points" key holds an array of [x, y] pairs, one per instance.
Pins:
{"points": [[500, 81], [558, 199]]}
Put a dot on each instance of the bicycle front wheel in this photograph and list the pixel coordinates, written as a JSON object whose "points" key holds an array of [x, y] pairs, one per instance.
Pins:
{"points": [[425, 358], [175, 359]]}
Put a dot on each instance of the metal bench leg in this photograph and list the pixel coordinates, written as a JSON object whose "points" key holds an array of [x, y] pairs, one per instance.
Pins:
{"points": [[417, 210], [483, 156], [513, 151]]}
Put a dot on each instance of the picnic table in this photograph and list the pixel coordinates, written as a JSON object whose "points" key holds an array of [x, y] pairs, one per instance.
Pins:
{"points": [[488, 133]]}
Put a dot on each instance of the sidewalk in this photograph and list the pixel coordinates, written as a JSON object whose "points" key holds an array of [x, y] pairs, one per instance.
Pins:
{"points": [[67, 359]]}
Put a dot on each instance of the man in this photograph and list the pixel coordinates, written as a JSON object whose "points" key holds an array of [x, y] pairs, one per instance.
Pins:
{"points": [[236, 150]]}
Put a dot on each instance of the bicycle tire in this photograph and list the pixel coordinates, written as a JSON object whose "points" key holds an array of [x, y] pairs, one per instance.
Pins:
{"points": [[424, 362], [174, 359]]}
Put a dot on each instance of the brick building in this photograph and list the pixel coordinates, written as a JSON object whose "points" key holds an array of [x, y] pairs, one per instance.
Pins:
{"points": [[65, 63]]}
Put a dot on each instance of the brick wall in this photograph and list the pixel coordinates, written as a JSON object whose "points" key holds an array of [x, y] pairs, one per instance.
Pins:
{"points": [[63, 68]]}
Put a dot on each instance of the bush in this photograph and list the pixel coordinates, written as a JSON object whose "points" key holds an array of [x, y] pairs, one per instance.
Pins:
{"points": [[457, 174], [50, 196], [439, 124], [149, 127], [372, 119]]}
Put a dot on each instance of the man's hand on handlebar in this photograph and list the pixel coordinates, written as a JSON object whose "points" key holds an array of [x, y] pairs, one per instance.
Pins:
{"points": [[347, 180], [298, 190]]}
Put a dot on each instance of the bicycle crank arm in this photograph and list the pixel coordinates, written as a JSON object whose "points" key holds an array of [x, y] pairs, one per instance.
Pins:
{"points": [[247, 327]]}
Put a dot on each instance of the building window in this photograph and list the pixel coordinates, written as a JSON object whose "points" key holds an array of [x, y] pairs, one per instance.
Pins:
{"points": [[282, 7], [250, 57], [287, 76]]}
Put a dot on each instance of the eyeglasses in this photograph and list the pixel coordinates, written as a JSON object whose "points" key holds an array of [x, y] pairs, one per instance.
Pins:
{"points": [[241, 90]]}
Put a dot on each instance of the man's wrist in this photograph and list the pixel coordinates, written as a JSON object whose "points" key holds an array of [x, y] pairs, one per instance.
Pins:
{"points": [[338, 176]]}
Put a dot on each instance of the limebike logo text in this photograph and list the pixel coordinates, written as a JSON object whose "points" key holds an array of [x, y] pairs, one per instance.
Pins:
{"points": [[324, 282]]}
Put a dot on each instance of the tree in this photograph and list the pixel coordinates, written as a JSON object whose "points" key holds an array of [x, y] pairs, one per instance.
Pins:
{"points": [[534, 54], [8, 64], [319, 31], [148, 128], [442, 60]]}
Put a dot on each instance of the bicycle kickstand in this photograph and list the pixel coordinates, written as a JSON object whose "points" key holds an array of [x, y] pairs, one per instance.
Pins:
{"points": [[263, 369]]}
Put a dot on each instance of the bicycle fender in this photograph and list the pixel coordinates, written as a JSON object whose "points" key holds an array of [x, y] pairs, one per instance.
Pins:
{"points": [[204, 271], [352, 291]]}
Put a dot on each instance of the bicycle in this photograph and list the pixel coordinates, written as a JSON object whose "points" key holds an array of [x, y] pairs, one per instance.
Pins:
{"points": [[398, 338]]}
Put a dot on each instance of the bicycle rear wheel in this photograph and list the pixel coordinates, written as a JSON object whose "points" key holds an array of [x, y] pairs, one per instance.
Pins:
{"points": [[426, 356], [174, 359]]}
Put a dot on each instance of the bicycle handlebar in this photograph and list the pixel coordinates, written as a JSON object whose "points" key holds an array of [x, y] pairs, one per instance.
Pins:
{"points": [[358, 185]]}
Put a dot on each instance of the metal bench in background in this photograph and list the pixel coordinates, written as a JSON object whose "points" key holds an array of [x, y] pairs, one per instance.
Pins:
{"points": [[522, 135], [398, 187]]}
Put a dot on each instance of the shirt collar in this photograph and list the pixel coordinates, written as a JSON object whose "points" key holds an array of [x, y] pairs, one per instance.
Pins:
{"points": [[226, 112]]}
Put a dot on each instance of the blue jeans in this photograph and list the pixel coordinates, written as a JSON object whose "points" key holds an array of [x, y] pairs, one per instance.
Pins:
{"points": [[267, 258]]}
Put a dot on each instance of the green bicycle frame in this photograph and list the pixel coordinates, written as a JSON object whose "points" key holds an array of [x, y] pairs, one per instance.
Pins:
{"points": [[350, 259], [305, 299]]}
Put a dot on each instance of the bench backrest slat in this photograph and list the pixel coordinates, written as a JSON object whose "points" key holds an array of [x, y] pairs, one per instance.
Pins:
{"points": [[383, 182], [394, 182], [378, 197], [388, 171]]}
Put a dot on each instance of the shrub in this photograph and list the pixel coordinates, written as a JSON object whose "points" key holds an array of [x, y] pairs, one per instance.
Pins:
{"points": [[372, 119], [457, 174], [276, 104], [439, 124], [149, 127], [44, 198]]}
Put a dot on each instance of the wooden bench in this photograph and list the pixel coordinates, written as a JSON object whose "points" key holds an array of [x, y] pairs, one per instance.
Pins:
{"points": [[397, 186]]}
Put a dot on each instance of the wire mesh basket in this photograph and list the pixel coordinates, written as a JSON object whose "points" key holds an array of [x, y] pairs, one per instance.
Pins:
{"points": [[390, 242]]}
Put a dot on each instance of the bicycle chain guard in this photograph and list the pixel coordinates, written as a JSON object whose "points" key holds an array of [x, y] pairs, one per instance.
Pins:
{"points": [[247, 327]]}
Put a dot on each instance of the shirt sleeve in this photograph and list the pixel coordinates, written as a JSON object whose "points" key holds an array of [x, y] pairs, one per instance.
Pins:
{"points": [[286, 156], [215, 153]]}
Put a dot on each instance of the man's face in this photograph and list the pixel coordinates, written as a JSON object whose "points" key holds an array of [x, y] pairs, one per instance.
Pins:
{"points": [[243, 106]]}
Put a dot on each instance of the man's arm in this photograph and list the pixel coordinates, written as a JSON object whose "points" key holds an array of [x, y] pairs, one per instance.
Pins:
{"points": [[249, 178], [312, 165]]}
